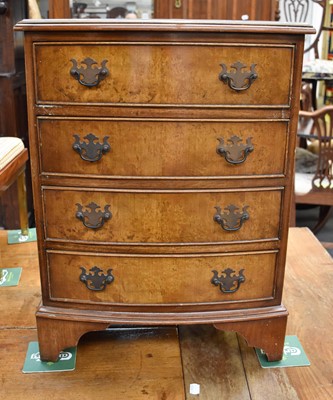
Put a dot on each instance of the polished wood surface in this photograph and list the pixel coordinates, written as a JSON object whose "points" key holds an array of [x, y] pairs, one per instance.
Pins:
{"points": [[18, 303], [170, 68], [183, 148], [221, 362], [135, 364], [138, 363], [161, 217], [59, 9], [168, 73], [191, 284], [309, 300], [221, 9], [160, 25]]}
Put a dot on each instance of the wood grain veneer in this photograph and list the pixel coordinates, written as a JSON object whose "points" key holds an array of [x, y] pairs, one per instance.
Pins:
{"points": [[163, 106]]}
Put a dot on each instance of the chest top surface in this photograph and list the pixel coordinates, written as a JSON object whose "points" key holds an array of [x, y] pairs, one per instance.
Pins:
{"points": [[171, 25]]}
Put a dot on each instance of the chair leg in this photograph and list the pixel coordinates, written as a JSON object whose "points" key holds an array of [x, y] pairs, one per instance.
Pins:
{"points": [[23, 209], [292, 217], [324, 215]]}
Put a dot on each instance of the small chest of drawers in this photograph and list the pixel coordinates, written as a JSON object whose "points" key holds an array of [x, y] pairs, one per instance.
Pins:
{"points": [[162, 158]]}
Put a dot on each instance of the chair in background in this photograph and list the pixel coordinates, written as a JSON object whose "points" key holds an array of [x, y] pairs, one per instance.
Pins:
{"points": [[315, 69], [13, 158], [306, 97], [314, 171], [298, 11]]}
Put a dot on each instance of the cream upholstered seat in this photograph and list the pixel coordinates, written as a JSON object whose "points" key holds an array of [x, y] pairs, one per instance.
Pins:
{"points": [[13, 158], [10, 147]]}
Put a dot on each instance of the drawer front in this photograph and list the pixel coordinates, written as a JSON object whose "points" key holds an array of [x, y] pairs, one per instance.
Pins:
{"points": [[161, 148], [162, 73], [136, 217], [161, 280]]}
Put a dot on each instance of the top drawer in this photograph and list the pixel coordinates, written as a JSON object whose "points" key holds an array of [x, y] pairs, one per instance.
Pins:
{"points": [[161, 73]]}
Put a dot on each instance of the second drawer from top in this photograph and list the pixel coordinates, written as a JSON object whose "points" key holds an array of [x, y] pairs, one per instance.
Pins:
{"points": [[162, 148]]}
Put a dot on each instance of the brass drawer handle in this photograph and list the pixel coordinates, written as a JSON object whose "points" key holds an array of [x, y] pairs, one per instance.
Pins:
{"points": [[178, 3], [96, 280], [89, 150], [91, 75], [229, 282], [234, 151], [94, 218], [231, 219], [238, 80]]}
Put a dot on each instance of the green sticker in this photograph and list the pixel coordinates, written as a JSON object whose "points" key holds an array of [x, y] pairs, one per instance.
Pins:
{"points": [[15, 237], [293, 355], [66, 361], [10, 276]]}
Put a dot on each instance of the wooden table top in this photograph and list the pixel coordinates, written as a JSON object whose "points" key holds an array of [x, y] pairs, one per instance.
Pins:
{"points": [[160, 363]]}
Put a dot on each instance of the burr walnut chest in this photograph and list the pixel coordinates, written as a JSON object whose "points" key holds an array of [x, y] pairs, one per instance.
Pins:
{"points": [[162, 155]]}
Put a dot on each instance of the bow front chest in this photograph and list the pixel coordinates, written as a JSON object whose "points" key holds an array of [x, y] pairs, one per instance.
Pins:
{"points": [[162, 158]]}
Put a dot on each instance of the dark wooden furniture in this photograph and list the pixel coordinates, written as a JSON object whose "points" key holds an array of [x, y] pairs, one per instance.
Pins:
{"points": [[59, 9], [221, 9], [13, 114], [204, 9], [163, 170]]}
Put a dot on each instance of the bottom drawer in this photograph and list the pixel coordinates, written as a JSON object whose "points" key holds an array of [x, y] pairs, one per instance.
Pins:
{"points": [[161, 279]]}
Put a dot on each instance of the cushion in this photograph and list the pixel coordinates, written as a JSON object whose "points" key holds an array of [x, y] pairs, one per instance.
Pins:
{"points": [[303, 183], [306, 161], [318, 69], [10, 147]]}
